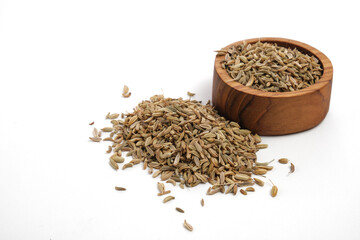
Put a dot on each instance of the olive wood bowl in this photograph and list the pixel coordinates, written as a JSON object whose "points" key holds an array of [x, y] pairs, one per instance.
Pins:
{"points": [[273, 113]]}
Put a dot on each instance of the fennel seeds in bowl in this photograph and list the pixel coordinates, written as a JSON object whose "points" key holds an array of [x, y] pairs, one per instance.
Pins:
{"points": [[271, 68]]}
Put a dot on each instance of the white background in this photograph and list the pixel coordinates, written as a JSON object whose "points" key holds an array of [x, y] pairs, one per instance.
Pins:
{"points": [[63, 65]]}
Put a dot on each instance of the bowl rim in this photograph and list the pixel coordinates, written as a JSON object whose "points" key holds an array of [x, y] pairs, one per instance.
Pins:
{"points": [[325, 79]]}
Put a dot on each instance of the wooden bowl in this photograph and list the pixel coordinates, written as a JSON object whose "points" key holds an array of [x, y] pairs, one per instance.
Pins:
{"points": [[273, 113]]}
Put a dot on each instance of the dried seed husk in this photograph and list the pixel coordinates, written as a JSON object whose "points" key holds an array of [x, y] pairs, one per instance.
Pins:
{"points": [[268, 168], [168, 198], [190, 94], [127, 95], [259, 182], [117, 159], [213, 191], [135, 161], [245, 184], [166, 176], [114, 122], [161, 187], [243, 177], [164, 193], [202, 202], [95, 139], [109, 149], [127, 165], [107, 129], [113, 164], [117, 148], [95, 133], [262, 146], [92, 123], [221, 52], [171, 181], [120, 188], [148, 141], [179, 210], [283, 160], [125, 89], [108, 139], [235, 189], [257, 138], [260, 171], [157, 173], [188, 226], [222, 178], [251, 81], [250, 189], [230, 189], [126, 92], [133, 119], [292, 168], [242, 191], [112, 116], [264, 163], [126, 149], [274, 191]]}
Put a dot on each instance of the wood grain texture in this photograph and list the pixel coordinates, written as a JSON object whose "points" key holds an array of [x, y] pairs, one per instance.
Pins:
{"points": [[273, 113]]}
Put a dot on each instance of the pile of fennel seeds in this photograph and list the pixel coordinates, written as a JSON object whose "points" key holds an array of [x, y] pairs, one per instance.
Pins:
{"points": [[186, 142]]}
